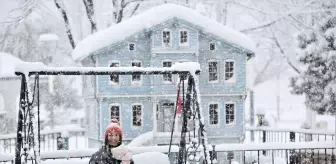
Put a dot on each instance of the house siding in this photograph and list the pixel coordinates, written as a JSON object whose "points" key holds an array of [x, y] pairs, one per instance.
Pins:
{"points": [[150, 51]]}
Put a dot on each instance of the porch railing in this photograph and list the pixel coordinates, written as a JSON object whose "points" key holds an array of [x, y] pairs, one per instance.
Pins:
{"points": [[49, 140], [224, 153]]}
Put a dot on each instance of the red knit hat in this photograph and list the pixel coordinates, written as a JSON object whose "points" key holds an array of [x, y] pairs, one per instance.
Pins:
{"points": [[114, 125]]}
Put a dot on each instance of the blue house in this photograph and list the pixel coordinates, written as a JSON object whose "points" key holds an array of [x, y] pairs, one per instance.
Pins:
{"points": [[160, 37]]}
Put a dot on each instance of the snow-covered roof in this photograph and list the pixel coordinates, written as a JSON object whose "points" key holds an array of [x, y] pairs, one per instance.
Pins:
{"points": [[8, 63], [152, 17]]}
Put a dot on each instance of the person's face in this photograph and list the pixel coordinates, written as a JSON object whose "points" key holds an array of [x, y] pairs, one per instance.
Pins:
{"points": [[113, 138]]}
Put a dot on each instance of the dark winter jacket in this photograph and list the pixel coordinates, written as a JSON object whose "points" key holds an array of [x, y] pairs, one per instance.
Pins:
{"points": [[104, 156]]}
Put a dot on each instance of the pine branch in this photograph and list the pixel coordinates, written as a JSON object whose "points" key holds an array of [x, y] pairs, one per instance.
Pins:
{"points": [[60, 6]]}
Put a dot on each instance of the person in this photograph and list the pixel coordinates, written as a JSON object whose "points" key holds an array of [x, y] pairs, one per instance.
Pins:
{"points": [[112, 152]]}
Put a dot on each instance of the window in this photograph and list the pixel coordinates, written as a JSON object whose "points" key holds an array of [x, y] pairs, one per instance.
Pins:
{"points": [[136, 77], [74, 121], [213, 71], [166, 37], [213, 114], [230, 113], [184, 37], [229, 70], [167, 77], [115, 112], [131, 46], [114, 77], [212, 46], [136, 115]]}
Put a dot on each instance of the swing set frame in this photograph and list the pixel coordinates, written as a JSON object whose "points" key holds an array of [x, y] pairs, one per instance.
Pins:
{"points": [[28, 146]]}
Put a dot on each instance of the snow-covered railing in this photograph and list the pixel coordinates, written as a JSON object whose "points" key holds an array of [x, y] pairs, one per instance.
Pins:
{"points": [[271, 134], [243, 153], [76, 139], [30, 68]]}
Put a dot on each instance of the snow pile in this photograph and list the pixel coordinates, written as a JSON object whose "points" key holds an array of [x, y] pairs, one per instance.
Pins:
{"points": [[7, 64], [152, 17], [142, 139], [151, 158], [48, 37]]}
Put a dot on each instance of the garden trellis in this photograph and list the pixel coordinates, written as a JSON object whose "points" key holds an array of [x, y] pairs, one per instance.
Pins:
{"points": [[28, 129]]}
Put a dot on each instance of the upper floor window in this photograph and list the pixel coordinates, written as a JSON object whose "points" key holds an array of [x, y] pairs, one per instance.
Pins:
{"points": [[229, 70], [114, 77], [166, 37], [184, 40], [229, 113], [213, 71], [167, 77], [136, 115], [131, 46], [115, 112], [213, 114], [136, 77], [212, 46]]}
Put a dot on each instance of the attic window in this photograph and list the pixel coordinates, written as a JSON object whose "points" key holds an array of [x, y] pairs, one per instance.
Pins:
{"points": [[131, 46], [184, 37], [212, 46], [166, 37]]}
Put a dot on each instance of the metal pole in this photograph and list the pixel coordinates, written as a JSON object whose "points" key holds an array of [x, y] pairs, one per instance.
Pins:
{"points": [[20, 120], [185, 109], [38, 113]]}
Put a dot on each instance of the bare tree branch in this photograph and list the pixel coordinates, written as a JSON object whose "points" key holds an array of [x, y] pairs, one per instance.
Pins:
{"points": [[60, 6], [258, 79], [90, 14], [276, 41]]}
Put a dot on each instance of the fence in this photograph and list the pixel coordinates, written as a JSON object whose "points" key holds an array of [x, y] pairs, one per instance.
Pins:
{"points": [[224, 153], [49, 140], [283, 135]]}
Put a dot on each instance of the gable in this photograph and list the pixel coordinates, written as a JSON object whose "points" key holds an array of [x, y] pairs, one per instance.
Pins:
{"points": [[155, 16]]}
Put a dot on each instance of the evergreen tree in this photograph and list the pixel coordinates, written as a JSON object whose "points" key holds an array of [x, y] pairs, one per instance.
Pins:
{"points": [[317, 53]]}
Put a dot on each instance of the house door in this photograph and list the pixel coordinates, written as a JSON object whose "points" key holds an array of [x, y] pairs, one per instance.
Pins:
{"points": [[165, 117]]}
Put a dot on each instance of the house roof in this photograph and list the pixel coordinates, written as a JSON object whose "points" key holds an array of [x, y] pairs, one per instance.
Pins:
{"points": [[152, 17], [8, 63]]}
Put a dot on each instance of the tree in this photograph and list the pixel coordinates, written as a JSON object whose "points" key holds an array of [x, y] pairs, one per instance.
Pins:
{"points": [[317, 54], [59, 100]]}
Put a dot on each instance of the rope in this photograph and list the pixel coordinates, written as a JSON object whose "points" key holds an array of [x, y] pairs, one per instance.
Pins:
{"points": [[173, 128]]}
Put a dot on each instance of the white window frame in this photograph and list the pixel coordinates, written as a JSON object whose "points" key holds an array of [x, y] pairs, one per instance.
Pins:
{"points": [[233, 79], [142, 122], [218, 114], [128, 46], [234, 114], [186, 44], [110, 106], [218, 69], [172, 77], [210, 46], [170, 39], [136, 83], [109, 65]]}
